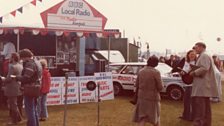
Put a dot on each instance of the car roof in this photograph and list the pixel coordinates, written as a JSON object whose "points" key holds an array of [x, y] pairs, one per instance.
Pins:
{"points": [[128, 63]]}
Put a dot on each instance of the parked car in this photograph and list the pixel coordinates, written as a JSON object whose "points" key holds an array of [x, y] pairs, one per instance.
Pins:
{"points": [[125, 74]]}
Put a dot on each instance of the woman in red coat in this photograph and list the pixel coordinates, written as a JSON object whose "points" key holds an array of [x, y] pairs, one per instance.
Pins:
{"points": [[45, 88]]}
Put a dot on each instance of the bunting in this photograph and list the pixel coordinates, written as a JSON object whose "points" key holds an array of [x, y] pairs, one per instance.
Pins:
{"points": [[20, 10], [34, 2], [13, 13]]}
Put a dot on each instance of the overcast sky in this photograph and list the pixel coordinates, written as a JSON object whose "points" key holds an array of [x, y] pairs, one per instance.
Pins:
{"points": [[164, 24], [167, 24]]}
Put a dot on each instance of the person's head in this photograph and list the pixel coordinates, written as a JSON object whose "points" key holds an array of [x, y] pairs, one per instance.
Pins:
{"points": [[25, 54], [199, 47], [162, 59], [172, 57], [152, 61], [43, 63], [14, 57], [191, 55]]}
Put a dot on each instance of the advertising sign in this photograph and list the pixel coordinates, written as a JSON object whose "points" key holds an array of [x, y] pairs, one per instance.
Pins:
{"points": [[73, 91], [54, 96], [85, 94], [104, 80], [74, 14]]}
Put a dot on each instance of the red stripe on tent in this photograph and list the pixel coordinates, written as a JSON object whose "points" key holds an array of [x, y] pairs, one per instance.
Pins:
{"points": [[53, 9], [13, 13]]}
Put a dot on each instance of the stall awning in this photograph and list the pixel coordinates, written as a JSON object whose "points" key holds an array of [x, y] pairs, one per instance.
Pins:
{"points": [[60, 16]]}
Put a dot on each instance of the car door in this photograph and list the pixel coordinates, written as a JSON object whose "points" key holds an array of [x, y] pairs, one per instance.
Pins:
{"points": [[128, 76]]}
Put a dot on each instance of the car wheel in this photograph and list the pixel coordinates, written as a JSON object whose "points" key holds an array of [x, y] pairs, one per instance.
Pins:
{"points": [[117, 89], [175, 93]]}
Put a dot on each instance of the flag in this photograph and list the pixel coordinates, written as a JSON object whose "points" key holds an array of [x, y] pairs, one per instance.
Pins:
{"points": [[34, 2], [20, 9], [13, 13]]}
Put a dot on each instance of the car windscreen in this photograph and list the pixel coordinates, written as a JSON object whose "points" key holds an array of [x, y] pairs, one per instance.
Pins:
{"points": [[114, 68], [163, 68]]}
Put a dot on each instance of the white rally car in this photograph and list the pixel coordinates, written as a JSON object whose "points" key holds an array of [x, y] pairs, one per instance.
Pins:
{"points": [[125, 74]]}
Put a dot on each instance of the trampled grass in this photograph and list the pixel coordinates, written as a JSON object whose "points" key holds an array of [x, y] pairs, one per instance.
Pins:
{"points": [[117, 112]]}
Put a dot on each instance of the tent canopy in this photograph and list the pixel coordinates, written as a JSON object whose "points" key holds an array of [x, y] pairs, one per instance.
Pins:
{"points": [[63, 16]]}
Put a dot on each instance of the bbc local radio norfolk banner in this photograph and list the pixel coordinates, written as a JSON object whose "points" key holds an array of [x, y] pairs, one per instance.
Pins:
{"points": [[75, 14], [77, 91]]}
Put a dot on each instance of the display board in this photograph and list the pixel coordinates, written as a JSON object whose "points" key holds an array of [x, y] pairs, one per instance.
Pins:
{"points": [[77, 91]]}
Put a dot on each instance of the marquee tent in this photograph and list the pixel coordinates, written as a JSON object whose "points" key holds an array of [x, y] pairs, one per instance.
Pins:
{"points": [[61, 16]]}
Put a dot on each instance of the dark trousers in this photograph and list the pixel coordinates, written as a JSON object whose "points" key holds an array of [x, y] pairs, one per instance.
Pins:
{"points": [[202, 111], [3, 99], [13, 108], [20, 103], [187, 113]]}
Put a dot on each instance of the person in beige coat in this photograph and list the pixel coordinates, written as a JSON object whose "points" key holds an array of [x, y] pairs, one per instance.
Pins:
{"points": [[149, 85], [204, 86], [12, 88]]}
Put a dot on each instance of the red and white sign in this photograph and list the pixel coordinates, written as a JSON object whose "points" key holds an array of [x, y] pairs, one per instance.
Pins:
{"points": [[104, 80], [72, 92], [77, 91], [54, 96], [85, 94], [74, 15]]}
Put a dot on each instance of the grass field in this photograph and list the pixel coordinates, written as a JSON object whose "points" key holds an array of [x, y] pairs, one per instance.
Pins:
{"points": [[117, 112]]}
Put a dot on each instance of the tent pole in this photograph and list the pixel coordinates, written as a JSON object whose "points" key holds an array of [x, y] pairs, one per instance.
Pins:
{"points": [[18, 41]]}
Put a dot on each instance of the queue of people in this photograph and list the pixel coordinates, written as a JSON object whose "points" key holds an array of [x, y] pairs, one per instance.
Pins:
{"points": [[24, 70]]}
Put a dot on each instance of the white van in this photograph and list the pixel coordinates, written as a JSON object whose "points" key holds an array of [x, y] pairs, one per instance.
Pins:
{"points": [[115, 56]]}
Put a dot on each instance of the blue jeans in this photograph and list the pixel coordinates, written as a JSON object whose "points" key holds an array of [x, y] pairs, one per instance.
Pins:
{"points": [[42, 106], [31, 111]]}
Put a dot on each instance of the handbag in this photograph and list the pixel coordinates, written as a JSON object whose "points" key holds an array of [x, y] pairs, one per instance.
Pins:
{"points": [[187, 78], [135, 97], [32, 90]]}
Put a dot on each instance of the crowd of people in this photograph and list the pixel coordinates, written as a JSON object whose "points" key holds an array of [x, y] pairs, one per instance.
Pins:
{"points": [[21, 70], [197, 107]]}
